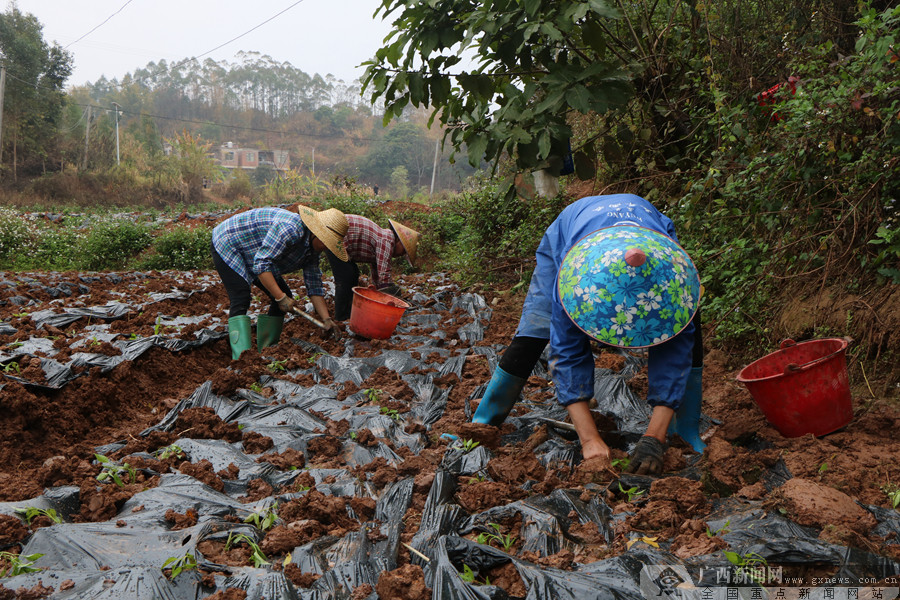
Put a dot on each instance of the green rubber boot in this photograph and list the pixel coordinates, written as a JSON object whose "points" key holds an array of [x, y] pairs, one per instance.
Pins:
{"points": [[687, 417], [268, 330], [239, 335], [499, 398]]}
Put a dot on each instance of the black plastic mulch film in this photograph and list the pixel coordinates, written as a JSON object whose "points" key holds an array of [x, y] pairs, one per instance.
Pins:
{"points": [[131, 556]]}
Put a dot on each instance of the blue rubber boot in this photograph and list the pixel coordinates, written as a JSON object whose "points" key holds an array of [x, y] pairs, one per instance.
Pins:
{"points": [[268, 330], [499, 398], [239, 335], [687, 418]]}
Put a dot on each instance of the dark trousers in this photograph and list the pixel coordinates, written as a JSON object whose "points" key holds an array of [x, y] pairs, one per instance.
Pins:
{"points": [[523, 352], [239, 292], [346, 277]]}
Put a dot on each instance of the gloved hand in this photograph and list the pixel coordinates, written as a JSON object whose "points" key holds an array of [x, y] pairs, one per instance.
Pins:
{"points": [[332, 329], [647, 457], [286, 303]]}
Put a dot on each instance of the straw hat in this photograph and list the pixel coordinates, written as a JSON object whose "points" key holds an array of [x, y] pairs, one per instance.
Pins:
{"points": [[629, 286], [408, 237], [329, 225]]}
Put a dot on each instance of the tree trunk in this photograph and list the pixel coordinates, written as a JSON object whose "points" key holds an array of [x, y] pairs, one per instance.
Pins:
{"points": [[545, 183]]}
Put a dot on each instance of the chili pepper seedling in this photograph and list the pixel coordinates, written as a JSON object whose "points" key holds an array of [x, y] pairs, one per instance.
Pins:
{"points": [[631, 493], [893, 493], [468, 445], [264, 519], [468, 575], [111, 470], [169, 452], [505, 541], [256, 554], [31, 513], [179, 563], [18, 564], [620, 463], [393, 413]]}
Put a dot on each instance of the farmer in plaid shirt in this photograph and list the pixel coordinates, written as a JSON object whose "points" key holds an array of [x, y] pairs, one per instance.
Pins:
{"points": [[257, 247], [368, 243]]}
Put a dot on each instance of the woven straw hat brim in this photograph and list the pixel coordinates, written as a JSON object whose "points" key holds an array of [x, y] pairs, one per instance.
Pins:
{"points": [[408, 237], [329, 225]]}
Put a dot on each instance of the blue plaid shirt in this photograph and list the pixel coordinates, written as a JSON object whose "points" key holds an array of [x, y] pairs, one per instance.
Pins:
{"points": [[268, 239]]}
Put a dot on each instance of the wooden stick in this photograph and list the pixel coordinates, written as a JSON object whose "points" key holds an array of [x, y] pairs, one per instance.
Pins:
{"points": [[416, 552], [560, 424]]}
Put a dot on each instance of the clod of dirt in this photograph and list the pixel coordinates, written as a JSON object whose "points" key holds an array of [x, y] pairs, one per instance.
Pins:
{"points": [[481, 495], [203, 471], [594, 470], [694, 539], [405, 583], [182, 521], [298, 577], [256, 443], [486, 435], [516, 468], [204, 424], [820, 506], [508, 578], [323, 448], [284, 461], [12, 531], [229, 594], [35, 592]]}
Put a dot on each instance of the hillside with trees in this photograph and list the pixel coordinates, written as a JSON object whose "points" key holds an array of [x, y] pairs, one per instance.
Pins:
{"points": [[121, 133], [767, 130]]}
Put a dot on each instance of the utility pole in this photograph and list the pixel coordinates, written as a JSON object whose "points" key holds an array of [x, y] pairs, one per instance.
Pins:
{"points": [[87, 133], [117, 133], [2, 92], [437, 149]]}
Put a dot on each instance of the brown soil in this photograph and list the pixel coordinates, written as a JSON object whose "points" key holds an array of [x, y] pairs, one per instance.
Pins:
{"points": [[48, 438]]}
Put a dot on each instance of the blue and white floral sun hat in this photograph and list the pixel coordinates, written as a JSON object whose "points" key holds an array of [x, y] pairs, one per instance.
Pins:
{"points": [[629, 286]]}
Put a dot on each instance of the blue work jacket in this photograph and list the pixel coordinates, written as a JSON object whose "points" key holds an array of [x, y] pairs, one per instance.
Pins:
{"points": [[543, 316]]}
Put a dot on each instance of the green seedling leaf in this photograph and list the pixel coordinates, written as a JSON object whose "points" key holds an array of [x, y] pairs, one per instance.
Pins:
{"points": [[30, 513], [18, 564], [179, 563]]}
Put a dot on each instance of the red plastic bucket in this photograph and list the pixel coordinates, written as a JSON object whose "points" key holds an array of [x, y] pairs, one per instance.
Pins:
{"points": [[375, 314], [802, 388]]}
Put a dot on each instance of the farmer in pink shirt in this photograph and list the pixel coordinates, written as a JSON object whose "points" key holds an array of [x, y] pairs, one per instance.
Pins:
{"points": [[368, 243]]}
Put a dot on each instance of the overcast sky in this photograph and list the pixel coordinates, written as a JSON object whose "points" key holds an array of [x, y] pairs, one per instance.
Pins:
{"points": [[315, 36]]}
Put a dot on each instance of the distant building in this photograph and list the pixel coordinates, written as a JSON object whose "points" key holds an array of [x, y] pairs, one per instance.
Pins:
{"points": [[229, 157]]}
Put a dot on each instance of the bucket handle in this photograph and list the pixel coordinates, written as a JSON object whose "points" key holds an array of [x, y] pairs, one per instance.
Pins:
{"points": [[787, 343]]}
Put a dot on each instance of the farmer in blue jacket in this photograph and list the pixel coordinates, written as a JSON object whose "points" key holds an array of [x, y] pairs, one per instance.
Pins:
{"points": [[609, 269]]}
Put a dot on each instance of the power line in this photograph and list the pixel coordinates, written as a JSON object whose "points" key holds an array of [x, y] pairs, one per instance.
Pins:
{"points": [[246, 32], [101, 24], [242, 127]]}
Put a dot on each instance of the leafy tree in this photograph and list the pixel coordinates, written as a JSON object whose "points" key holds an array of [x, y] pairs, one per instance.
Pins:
{"points": [[189, 154], [34, 96], [403, 145], [400, 181], [536, 62]]}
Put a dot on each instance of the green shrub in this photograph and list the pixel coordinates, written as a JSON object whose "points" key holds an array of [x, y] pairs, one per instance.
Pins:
{"points": [[182, 248], [17, 237], [112, 243], [54, 249], [239, 186], [356, 205]]}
